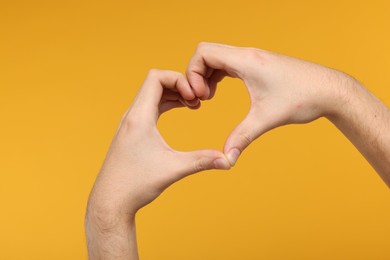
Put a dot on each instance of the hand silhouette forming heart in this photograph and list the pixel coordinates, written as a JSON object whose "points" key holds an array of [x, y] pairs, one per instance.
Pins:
{"points": [[279, 92], [283, 90]]}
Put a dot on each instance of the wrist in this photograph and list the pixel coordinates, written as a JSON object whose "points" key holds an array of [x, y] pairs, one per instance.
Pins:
{"points": [[108, 216], [110, 236], [342, 92]]}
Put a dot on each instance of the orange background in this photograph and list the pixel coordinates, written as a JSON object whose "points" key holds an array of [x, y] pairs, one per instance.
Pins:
{"points": [[69, 70]]}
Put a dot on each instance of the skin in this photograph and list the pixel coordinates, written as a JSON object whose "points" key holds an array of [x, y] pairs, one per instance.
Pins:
{"points": [[283, 90], [140, 165]]}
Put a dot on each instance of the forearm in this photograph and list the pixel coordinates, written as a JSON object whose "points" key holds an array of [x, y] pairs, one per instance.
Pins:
{"points": [[109, 237], [365, 121]]}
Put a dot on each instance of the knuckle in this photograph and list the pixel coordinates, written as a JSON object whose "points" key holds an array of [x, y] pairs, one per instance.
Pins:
{"points": [[175, 74], [153, 73], [202, 46]]}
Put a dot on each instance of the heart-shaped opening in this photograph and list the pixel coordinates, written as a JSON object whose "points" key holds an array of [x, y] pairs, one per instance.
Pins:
{"points": [[209, 126]]}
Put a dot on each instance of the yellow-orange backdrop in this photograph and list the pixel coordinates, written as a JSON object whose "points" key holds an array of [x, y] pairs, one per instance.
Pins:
{"points": [[68, 71]]}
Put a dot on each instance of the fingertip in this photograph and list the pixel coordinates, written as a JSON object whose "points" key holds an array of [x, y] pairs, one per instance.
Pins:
{"points": [[194, 106], [199, 86], [232, 156], [185, 88], [193, 102], [221, 164]]}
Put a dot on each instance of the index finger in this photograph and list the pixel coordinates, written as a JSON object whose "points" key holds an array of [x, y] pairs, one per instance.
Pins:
{"points": [[149, 96], [207, 58]]}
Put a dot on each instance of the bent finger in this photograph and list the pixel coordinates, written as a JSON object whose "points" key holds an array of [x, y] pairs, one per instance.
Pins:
{"points": [[211, 56]]}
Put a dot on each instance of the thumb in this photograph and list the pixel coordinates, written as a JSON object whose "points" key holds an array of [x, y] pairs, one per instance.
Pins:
{"points": [[201, 160], [242, 136]]}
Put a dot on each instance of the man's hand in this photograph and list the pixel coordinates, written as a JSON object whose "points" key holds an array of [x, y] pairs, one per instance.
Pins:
{"points": [[285, 90], [140, 165]]}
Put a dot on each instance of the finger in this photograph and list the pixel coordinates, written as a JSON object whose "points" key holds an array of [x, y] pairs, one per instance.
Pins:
{"points": [[171, 95], [158, 80], [201, 160], [211, 56], [171, 102], [176, 81], [195, 107], [242, 136], [209, 72], [216, 77], [168, 105], [150, 95], [192, 103]]}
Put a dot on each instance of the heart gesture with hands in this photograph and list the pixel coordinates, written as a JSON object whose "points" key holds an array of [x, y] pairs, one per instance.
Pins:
{"points": [[283, 90]]}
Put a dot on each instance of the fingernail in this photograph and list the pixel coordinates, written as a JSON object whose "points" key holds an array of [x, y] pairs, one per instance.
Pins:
{"points": [[221, 164], [192, 103], [232, 156]]}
